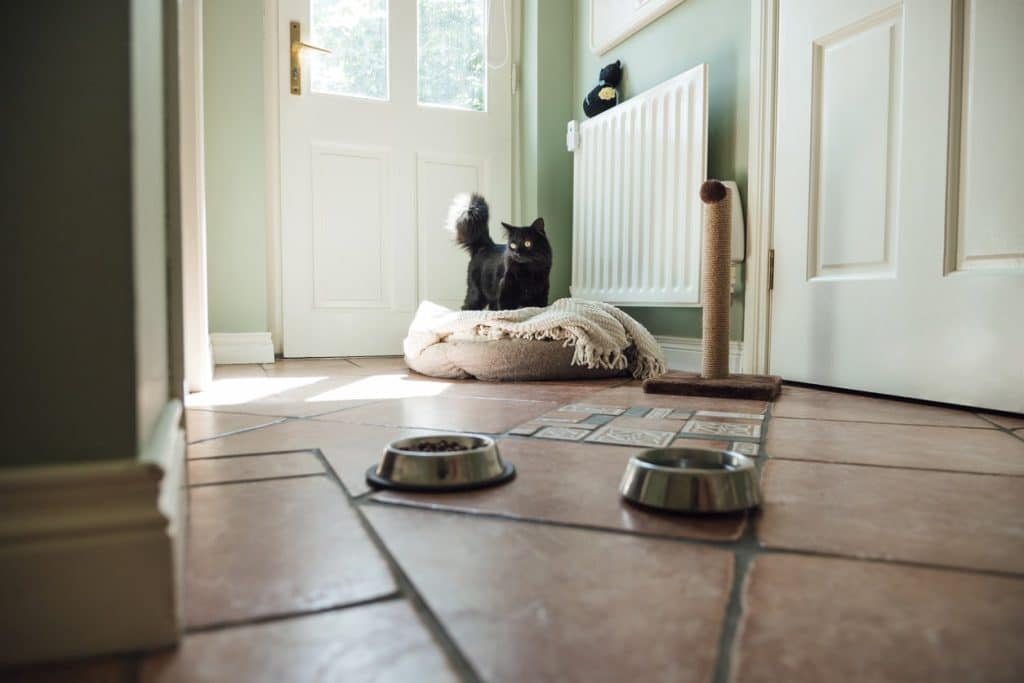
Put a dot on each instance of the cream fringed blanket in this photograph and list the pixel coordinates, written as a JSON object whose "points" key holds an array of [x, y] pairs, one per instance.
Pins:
{"points": [[599, 333]]}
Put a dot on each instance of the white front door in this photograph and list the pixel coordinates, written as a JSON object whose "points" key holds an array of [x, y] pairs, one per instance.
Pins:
{"points": [[899, 239], [412, 107]]}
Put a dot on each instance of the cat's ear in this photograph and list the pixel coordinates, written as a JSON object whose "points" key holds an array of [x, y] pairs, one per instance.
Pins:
{"points": [[538, 225], [508, 228]]}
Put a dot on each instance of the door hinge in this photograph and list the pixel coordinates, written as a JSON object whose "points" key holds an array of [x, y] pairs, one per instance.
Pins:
{"points": [[515, 77], [771, 269]]}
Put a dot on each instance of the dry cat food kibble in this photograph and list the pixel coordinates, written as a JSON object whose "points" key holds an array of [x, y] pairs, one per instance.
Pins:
{"points": [[441, 446]]}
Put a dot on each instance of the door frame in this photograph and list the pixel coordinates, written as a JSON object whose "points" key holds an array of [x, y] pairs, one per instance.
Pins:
{"points": [[764, 35], [272, 142], [198, 361]]}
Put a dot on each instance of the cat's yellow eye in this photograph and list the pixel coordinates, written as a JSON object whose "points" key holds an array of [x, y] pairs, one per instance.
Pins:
{"points": [[512, 245], [527, 244]]}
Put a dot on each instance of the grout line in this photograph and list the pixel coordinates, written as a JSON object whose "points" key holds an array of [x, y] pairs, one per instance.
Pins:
{"points": [[897, 467], [878, 422], [433, 623], [1007, 430], [285, 616], [254, 454], [743, 558], [498, 516], [910, 564], [282, 477], [243, 430]]}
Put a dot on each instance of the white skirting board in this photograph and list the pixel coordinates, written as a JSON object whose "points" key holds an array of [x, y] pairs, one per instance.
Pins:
{"points": [[686, 353], [234, 348], [92, 554]]}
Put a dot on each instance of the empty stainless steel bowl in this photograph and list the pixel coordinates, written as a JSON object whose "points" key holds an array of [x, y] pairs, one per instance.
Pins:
{"points": [[691, 480], [405, 468]]}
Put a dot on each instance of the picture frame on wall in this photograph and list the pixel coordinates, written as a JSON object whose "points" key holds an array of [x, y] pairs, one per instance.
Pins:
{"points": [[612, 21]]}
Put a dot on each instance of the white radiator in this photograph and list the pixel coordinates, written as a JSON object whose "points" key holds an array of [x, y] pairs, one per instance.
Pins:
{"points": [[637, 171]]}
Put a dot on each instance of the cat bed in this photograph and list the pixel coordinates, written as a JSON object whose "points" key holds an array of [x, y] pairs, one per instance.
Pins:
{"points": [[570, 339]]}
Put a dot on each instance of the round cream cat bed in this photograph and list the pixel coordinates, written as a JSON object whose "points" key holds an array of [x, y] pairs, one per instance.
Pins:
{"points": [[504, 360], [569, 339]]}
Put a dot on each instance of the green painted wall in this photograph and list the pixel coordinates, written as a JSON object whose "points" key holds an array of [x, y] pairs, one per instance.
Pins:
{"points": [[546, 105], [236, 226], [713, 31], [84, 231]]}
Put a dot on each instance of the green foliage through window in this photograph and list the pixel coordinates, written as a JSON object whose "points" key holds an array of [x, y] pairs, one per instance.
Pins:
{"points": [[356, 32], [452, 57]]}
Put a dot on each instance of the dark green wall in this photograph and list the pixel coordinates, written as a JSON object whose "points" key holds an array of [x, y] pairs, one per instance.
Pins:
{"points": [[67, 217]]}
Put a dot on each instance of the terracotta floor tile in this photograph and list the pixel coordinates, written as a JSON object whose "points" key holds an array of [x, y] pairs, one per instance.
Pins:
{"points": [[572, 483], [242, 468], [632, 394], [532, 602], [941, 518], [296, 394], [92, 670], [381, 642], [379, 363], [206, 424], [562, 392], [350, 449], [238, 371], [818, 404], [1007, 421], [277, 547], [870, 443], [820, 619], [490, 416], [312, 367]]}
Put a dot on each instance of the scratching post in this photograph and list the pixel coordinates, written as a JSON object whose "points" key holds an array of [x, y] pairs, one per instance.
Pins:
{"points": [[715, 380], [714, 280]]}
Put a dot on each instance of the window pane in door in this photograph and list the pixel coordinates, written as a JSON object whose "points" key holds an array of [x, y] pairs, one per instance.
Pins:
{"points": [[452, 55], [356, 32]]}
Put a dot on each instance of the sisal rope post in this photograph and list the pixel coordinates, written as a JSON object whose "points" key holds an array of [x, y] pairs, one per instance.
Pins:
{"points": [[715, 379], [715, 278]]}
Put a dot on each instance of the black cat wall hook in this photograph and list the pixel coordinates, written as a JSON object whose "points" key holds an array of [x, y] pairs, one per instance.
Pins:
{"points": [[605, 94]]}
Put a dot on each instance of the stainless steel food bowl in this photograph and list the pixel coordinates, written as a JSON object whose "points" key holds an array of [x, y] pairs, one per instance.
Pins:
{"points": [[691, 480], [405, 469]]}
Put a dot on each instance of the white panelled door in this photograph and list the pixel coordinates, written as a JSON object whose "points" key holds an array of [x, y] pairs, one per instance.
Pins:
{"points": [[899, 238], [404, 114]]}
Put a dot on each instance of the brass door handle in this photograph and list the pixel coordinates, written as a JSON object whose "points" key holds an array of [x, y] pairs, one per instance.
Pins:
{"points": [[295, 33]]}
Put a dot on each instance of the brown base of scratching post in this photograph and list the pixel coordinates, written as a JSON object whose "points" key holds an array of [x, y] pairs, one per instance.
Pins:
{"points": [[758, 387], [715, 380]]}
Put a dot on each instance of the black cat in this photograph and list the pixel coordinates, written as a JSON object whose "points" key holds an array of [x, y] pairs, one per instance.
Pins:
{"points": [[501, 276]]}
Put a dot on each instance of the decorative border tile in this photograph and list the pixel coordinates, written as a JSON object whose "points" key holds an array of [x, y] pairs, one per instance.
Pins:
{"points": [[739, 416], [644, 438], [556, 419], [746, 448], [562, 433], [590, 409], [525, 429], [701, 443], [715, 428]]}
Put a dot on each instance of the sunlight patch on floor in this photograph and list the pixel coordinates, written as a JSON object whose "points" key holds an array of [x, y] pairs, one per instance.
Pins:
{"points": [[229, 392], [381, 387]]}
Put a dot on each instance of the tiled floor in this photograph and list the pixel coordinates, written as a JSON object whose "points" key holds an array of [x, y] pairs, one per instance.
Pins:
{"points": [[889, 546]]}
